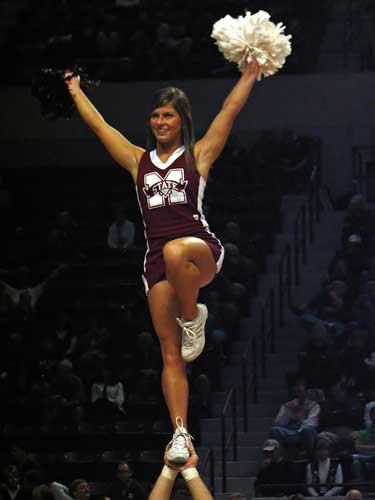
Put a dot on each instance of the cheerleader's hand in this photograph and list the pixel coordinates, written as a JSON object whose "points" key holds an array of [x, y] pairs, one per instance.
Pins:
{"points": [[252, 67], [72, 82]]}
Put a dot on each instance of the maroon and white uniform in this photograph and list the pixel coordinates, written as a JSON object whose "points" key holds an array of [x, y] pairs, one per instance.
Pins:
{"points": [[170, 197]]}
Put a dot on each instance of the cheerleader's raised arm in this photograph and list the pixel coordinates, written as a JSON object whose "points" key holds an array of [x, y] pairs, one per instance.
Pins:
{"points": [[121, 149], [212, 143]]}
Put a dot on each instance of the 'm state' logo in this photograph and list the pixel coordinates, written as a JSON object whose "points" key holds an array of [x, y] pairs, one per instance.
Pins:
{"points": [[172, 188]]}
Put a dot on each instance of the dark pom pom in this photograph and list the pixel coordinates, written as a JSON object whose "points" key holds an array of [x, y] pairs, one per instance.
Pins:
{"points": [[50, 88]]}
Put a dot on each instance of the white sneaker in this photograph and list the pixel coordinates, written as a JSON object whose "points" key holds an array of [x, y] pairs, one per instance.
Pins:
{"points": [[193, 338], [179, 452]]}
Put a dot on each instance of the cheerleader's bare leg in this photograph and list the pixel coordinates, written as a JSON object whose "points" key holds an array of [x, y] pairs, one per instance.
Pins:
{"points": [[190, 265], [164, 307]]}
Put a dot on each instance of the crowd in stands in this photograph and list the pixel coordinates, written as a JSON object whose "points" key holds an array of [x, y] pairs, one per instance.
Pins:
{"points": [[325, 435], [146, 39]]}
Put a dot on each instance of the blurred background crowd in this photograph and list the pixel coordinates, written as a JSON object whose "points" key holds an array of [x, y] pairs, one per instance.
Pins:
{"points": [[123, 40]]}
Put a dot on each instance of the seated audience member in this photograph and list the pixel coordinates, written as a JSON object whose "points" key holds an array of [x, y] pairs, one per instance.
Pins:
{"points": [[107, 396], [352, 358], [125, 486], [342, 407], [121, 232], [237, 268], [364, 443], [323, 472], [180, 492], [353, 495], [237, 496], [365, 439], [25, 298], [80, 489], [297, 420], [63, 241], [317, 360], [97, 336], [52, 491], [11, 488], [66, 397], [274, 470], [146, 366], [368, 407], [358, 220]]}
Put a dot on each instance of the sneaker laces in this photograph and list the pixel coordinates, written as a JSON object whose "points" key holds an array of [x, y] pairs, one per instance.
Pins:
{"points": [[179, 442], [190, 335]]}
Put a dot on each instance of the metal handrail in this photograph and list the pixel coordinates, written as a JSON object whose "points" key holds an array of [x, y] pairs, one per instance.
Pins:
{"points": [[250, 352], [232, 437], [285, 285], [300, 245], [267, 334], [210, 459], [361, 156], [344, 485]]}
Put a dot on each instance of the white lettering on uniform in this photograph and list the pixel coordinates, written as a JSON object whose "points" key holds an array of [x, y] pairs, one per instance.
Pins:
{"points": [[172, 188]]}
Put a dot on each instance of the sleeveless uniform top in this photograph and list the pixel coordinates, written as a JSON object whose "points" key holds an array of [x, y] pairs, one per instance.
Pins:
{"points": [[170, 196]]}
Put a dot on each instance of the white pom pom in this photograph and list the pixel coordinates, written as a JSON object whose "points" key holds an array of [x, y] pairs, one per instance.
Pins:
{"points": [[253, 36]]}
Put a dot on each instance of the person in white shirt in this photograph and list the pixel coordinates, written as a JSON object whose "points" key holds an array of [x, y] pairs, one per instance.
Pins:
{"points": [[366, 417], [323, 472], [121, 232], [107, 394]]}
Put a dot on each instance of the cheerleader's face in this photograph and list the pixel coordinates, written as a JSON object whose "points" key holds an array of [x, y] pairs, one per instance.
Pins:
{"points": [[166, 125]]}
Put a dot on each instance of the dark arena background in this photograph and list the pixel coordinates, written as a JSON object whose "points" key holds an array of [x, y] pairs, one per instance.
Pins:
{"points": [[291, 314]]}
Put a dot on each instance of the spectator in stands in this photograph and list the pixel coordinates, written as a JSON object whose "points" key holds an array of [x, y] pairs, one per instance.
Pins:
{"points": [[353, 495], [352, 358], [365, 439], [25, 299], [126, 487], [64, 340], [323, 472], [237, 268], [181, 492], [97, 336], [146, 366], [52, 491], [80, 489], [107, 397], [11, 488], [273, 470], [358, 220], [121, 232], [317, 362], [63, 241], [368, 408], [342, 408], [66, 398], [297, 420], [108, 41]]}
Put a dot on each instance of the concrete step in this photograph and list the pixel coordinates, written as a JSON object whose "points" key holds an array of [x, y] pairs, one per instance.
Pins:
{"points": [[254, 410], [246, 453], [234, 484], [239, 468], [253, 438], [255, 424]]}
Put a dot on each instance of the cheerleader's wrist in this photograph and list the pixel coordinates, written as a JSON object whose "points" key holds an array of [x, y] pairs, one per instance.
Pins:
{"points": [[169, 473], [189, 474]]}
